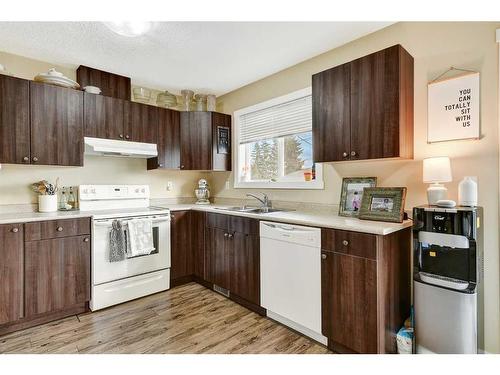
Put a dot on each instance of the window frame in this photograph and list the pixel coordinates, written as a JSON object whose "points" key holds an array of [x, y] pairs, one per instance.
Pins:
{"points": [[317, 184]]}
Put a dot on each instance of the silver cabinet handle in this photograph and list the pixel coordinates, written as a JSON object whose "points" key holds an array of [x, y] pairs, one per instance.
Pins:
{"points": [[323, 256], [226, 234], [353, 153], [345, 154], [121, 135], [127, 136], [172, 216], [345, 242], [26, 159], [59, 229], [14, 230], [86, 239], [35, 159], [230, 235]]}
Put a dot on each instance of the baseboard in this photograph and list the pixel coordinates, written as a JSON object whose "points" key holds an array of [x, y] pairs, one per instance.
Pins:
{"points": [[181, 280], [36, 320]]}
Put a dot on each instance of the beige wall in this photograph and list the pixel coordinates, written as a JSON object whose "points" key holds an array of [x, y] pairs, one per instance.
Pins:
{"points": [[435, 47], [15, 179]]}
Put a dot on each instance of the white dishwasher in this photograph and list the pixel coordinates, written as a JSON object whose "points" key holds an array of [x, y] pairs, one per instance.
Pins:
{"points": [[290, 276]]}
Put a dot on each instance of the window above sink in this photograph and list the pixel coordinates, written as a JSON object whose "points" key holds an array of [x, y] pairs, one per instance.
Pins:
{"points": [[274, 144]]}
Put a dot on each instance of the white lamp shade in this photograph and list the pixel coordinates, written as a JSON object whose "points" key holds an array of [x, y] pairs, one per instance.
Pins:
{"points": [[437, 169]]}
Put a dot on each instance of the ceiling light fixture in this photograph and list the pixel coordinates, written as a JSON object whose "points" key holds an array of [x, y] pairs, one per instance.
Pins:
{"points": [[129, 28]]}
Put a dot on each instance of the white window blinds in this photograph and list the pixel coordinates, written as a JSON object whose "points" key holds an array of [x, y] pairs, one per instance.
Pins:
{"points": [[288, 118]]}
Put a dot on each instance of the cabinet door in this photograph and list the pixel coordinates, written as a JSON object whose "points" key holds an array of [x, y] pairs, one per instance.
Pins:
{"points": [[331, 114], [14, 120], [56, 125], [57, 274], [169, 139], [375, 99], [349, 301], [181, 249], [141, 122], [217, 256], [198, 243], [196, 141], [244, 252], [103, 117], [221, 145], [11, 272]]}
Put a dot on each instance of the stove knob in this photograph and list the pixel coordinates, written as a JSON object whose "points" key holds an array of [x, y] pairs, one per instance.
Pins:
{"points": [[143, 190], [93, 191], [137, 190], [85, 191]]}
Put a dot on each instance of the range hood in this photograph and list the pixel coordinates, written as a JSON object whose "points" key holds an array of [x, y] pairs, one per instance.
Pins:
{"points": [[111, 147]]}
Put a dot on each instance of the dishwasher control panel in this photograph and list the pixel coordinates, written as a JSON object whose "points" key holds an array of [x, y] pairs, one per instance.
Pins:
{"points": [[297, 234]]}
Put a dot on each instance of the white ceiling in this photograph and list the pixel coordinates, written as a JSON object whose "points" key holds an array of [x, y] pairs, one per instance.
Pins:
{"points": [[212, 57]]}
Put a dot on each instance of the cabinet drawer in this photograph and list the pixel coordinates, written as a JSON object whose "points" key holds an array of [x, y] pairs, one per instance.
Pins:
{"points": [[56, 229], [351, 243], [219, 221]]}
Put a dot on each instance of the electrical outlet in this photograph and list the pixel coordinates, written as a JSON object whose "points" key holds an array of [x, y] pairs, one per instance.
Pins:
{"points": [[170, 185], [228, 186]]}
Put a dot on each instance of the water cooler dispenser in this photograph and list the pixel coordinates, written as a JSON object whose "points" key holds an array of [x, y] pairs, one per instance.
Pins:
{"points": [[448, 280]]}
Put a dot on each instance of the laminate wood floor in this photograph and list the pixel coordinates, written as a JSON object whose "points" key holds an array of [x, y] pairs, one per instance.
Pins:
{"points": [[185, 319]]}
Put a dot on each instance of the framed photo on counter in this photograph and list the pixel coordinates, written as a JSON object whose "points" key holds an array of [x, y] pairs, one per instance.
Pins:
{"points": [[383, 204], [352, 194]]}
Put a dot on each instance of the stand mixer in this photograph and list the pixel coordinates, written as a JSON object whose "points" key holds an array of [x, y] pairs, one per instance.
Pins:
{"points": [[202, 193]]}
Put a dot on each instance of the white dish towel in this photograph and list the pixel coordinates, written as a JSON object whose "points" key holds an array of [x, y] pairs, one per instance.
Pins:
{"points": [[140, 237]]}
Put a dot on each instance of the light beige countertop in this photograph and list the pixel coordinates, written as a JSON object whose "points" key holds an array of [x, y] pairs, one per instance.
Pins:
{"points": [[322, 220]]}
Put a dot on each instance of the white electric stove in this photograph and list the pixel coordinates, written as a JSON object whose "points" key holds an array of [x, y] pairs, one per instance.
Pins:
{"points": [[117, 282]]}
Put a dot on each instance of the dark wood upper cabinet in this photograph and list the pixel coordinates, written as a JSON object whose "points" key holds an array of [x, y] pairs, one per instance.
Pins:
{"points": [[205, 141], [14, 120], [141, 122], [221, 146], [364, 109], [169, 141], [111, 84], [57, 274], [196, 140], [11, 273], [103, 117], [56, 125], [331, 114]]}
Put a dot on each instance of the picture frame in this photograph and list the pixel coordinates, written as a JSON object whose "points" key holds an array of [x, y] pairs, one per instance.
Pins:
{"points": [[383, 204], [352, 194]]}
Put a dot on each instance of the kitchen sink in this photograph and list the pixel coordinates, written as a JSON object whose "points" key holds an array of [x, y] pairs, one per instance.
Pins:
{"points": [[253, 210]]}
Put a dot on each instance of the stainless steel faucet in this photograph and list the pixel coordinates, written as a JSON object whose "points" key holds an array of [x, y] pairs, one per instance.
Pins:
{"points": [[266, 202]]}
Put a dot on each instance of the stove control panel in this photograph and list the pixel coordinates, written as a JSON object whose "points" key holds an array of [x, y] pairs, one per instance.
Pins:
{"points": [[112, 192]]}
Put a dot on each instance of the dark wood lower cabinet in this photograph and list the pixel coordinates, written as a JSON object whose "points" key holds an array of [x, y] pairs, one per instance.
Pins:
{"points": [[217, 257], [181, 253], [244, 266], [365, 289], [11, 273], [57, 274], [350, 301]]}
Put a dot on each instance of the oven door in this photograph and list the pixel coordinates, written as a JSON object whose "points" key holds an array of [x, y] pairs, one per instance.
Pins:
{"points": [[105, 271]]}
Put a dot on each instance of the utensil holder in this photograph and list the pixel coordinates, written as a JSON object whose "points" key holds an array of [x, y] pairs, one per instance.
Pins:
{"points": [[47, 203]]}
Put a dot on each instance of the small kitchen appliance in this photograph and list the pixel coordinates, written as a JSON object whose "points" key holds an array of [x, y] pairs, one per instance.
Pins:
{"points": [[202, 193], [448, 280], [119, 281]]}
